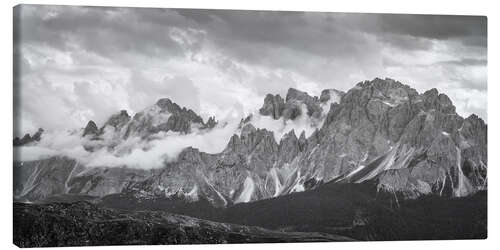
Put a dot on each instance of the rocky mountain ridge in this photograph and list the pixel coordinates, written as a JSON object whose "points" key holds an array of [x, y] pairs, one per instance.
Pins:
{"points": [[411, 144], [165, 116]]}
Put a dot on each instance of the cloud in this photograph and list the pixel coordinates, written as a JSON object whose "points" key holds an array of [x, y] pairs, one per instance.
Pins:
{"points": [[141, 153], [81, 63], [178, 88], [134, 152], [104, 31], [281, 127]]}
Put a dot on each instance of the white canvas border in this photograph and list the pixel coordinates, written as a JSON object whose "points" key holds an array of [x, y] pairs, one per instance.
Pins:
{"points": [[488, 8]]}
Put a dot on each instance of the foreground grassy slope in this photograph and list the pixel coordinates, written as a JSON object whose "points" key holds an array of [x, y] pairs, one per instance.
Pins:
{"points": [[354, 210]]}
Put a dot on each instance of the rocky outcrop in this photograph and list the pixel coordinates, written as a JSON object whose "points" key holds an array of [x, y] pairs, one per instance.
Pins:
{"points": [[295, 99], [211, 123], [165, 116], [299, 103], [273, 106], [28, 139], [91, 129], [118, 120]]}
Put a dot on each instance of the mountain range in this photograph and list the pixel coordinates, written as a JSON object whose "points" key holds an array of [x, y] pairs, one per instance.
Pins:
{"points": [[403, 144]]}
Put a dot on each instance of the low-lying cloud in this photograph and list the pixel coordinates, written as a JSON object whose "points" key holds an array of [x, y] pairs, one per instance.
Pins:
{"points": [[133, 152], [280, 127], [160, 148]]}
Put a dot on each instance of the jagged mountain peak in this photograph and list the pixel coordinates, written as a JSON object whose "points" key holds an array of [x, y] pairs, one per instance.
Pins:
{"points": [[298, 103], [164, 102], [28, 139], [380, 83], [290, 133], [118, 120], [248, 129], [273, 106], [211, 122], [91, 129], [165, 116], [295, 94], [328, 94], [378, 96], [431, 92], [250, 138], [153, 122], [168, 105], [251, 135], [476, 119], [395, 93], [385, 89], [435, 100]]}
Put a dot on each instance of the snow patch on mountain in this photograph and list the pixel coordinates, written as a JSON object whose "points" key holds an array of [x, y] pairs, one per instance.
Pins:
{"points": [[277, 184], [463, 188], [248, 189]]}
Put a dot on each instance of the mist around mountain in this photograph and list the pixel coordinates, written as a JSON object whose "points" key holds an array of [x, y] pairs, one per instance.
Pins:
{"points": [[397, 153]]}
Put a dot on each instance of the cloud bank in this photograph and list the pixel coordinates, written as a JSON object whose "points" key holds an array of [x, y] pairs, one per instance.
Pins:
{"points": [[80, 63], [162, 148], [133, 152]]}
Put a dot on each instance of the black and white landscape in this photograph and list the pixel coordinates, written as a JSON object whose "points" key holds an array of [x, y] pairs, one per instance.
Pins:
{"points": [[163, 126]]}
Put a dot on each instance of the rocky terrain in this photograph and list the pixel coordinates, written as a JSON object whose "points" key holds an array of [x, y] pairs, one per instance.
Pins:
{"points": [[404, 145], [331, 212]]}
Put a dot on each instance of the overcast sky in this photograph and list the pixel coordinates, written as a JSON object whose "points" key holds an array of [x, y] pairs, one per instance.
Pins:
{"points": [[81, 63]]}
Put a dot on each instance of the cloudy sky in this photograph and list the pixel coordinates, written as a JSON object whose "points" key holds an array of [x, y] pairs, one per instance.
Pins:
{"points": [[80, 63]]}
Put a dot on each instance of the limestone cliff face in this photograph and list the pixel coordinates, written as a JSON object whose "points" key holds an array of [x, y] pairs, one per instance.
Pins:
{"points": [[410, 144], [273, 106]]}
